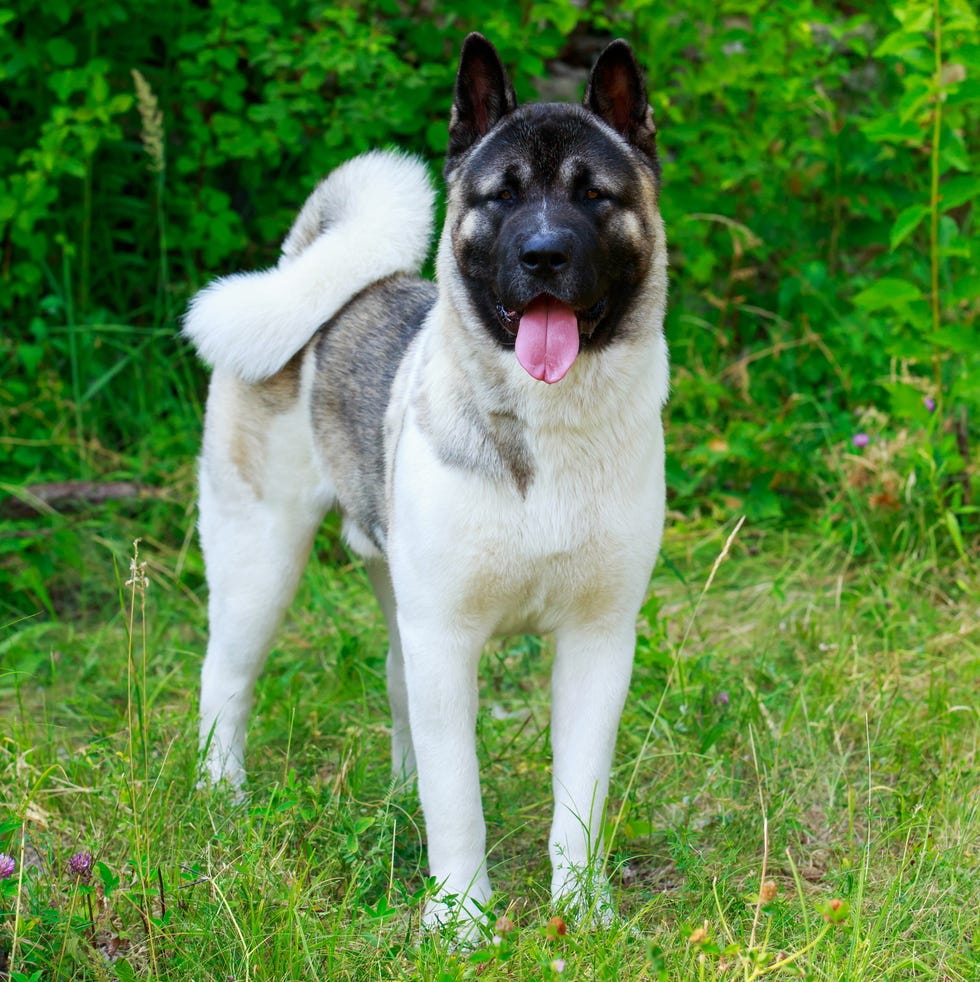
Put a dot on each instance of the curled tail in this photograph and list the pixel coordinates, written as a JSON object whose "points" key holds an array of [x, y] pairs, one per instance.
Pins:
{"points": [[370, 218]]}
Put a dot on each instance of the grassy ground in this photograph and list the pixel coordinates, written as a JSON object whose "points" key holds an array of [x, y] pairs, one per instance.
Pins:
{"points": [[797, 790]]}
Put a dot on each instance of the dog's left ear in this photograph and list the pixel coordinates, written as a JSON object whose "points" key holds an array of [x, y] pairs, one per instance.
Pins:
{"points": [[483, 96], [618, 95]]}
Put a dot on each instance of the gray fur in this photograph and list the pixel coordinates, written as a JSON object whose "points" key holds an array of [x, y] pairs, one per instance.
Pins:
{"points": [[357, 356], [488, 443]]}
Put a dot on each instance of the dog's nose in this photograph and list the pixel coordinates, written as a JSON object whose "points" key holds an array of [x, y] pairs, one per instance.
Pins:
{"points": [[545, 253]]}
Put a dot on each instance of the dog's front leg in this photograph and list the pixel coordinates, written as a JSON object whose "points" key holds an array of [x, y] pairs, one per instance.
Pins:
{"points": [[590, 679], [441, 669]]}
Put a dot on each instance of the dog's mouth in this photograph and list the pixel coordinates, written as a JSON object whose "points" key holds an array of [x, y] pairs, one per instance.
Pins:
{"points": [[548, 334]]}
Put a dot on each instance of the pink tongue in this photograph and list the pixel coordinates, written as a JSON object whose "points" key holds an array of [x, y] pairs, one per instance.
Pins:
{"points": [[547, 339]]}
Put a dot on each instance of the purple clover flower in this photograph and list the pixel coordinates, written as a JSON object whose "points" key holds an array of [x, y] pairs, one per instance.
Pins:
{"points": [[80, 864], [860, 440], [7, 866], [929, 403]]}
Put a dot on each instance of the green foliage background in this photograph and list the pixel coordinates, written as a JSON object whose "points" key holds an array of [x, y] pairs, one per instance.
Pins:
{"points": [[812, 716], [819, 196]]}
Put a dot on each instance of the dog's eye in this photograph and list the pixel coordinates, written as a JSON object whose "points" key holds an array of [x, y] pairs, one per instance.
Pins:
{"points": [[592, 194], [505, 195]]}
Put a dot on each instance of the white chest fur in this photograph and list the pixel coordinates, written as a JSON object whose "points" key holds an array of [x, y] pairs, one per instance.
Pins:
{"points": [[577, 542]]}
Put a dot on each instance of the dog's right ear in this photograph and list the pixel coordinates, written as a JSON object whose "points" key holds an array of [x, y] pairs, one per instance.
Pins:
{"points": [[483, 96]]}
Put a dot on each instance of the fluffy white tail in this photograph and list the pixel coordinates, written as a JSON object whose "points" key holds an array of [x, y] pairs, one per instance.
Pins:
{"points": [[370, 218]]}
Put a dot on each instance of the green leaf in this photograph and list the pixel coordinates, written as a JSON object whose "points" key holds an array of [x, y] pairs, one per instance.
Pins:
{"points": [[30, 356], [124, 971], [906, 402], [959, 17], [564, 16], [959, 190], [99, 88], [120, 103], [61, 52], [109, 879], [953, 527], [898, 44], [888, 292], [910, 347], [891, 128], [960, 338], [966, 288], [914, 22], [906, 223], [954, 154], [964, 94]]}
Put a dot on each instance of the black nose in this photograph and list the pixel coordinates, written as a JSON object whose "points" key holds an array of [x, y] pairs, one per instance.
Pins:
{"points": [[545, 253]]}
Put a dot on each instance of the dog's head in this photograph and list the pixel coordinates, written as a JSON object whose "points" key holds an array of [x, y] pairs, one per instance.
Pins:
{"points": [[552, 211]]}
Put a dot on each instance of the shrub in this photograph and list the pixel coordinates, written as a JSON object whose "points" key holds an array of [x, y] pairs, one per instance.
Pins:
{"points": [[818, 195]]}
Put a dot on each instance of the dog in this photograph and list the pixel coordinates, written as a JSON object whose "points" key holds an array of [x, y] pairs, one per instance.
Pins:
{"points": [[493, 442]]}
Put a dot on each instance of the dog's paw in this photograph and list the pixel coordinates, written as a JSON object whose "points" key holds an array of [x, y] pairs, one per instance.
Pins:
{"points": [[463, 921], [582, 894], [227, 782], [233, 794]]}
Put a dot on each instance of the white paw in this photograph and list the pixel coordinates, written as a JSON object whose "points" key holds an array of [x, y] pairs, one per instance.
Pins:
{"points": [[582, 892], [462, 919], [217, 775]]}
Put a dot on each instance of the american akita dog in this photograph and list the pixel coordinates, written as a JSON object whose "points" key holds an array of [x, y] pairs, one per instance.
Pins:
{"points": [[494, 443]]}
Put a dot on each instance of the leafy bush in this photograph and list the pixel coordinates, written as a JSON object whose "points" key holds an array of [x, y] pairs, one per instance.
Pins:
{"points": [[818, 193], [115, 208], [822, 217]]}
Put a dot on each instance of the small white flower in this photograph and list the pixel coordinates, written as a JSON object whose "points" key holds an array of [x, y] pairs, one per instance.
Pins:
{"points": [[138, 577]]}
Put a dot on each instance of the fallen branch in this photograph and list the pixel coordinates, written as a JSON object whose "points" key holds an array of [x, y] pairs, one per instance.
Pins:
{"points": [[56, 496]]}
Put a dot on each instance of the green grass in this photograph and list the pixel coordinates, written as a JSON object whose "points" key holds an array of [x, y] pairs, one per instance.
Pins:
{"points": [[810, 719]]}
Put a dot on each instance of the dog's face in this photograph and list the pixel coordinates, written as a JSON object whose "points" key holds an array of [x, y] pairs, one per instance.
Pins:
{"points": [[552, 208]]}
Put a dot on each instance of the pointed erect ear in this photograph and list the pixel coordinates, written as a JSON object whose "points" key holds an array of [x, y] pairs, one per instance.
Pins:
{"points": [[483, 95], [617, 94]]}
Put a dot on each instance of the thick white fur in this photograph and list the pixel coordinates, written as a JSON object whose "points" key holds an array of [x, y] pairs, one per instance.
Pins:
{"points": [[369, 219], [467, 557], [573, 557]]}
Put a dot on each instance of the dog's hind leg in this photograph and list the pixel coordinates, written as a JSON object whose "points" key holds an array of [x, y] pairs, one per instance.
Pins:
{"points": [[402, 751], [259, 510]]}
